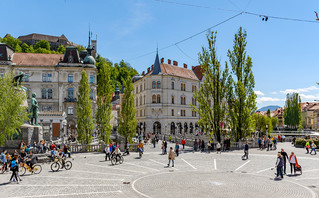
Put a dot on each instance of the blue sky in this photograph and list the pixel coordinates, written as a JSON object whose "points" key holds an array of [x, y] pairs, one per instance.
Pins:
{"points": [[284, 53]]}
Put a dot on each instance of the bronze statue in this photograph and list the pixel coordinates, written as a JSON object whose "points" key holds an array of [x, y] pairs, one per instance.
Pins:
{"points": [[34, 110]]}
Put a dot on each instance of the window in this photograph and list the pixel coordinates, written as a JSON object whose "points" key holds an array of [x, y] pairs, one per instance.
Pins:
{"points": [[158, 98], [183, 87], [193, 101], [141, 100], [92, 94], [26, 79], [172, 112], [173, 99], [136, 89], [154, 98], [136, 102], [154, 85], [44, 108], [158, 84], [144, 99], [183, 100], [44, 77], [194, 113], [49, 93], [91, 79], [183, 113], [141, 88], [49, 79], [70, 78], [141, 113], [70, 59], [44, 94], [194, 88], [49, 108], [70, 93], [172, 85], [70, 110]]}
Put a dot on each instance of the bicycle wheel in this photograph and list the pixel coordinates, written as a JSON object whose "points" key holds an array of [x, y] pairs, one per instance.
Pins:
{"points": [[37, 169], [121, 160], [55, 166], [2, 170], [68, 165], [23, 171], [113, 160]]}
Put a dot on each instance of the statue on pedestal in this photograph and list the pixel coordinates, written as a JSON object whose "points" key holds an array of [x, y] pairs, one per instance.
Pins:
{"points": [[34, 110]]}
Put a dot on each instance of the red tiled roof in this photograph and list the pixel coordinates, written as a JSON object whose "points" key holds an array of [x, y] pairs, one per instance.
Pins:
{"points": [[32, 59], [198, 72], [176, 71]]}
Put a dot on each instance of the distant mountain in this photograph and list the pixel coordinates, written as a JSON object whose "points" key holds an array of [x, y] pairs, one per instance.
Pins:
{"points": [[271, 107]]}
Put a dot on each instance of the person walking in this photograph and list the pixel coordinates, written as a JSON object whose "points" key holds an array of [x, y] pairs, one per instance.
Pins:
{"points": [[195, 145], [209, 146], [293, 162], [107, 152], [284, 156], [183, 142], [246, 150], [171, 156], [203, 146], [3, 159], [279, 164], [177, 149], [313, 147], [218, 146], [14, 169], [307, 147], [165, 147]]}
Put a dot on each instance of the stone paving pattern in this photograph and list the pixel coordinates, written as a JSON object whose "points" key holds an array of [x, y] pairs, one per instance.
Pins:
{"points": [[194, 175]]}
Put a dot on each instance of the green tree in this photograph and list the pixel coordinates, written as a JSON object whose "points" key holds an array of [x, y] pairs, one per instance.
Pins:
{"points": [[80, 48], [104, 97], [128, 123], [12, 114], [274, 121], [12, 42], [84, 111], [42, 44], [211, 94], [292, 111], [241, 96], [61, 49]]}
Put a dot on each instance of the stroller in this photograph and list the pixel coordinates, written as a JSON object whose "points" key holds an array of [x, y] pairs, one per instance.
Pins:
{"points": [[299, 168]]}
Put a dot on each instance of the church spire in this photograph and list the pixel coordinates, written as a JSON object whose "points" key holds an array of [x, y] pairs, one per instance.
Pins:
{"points": [[157, 66]]}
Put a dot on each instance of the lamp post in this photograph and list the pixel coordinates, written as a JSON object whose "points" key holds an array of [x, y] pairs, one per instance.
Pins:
{"points": [[266, 129]]}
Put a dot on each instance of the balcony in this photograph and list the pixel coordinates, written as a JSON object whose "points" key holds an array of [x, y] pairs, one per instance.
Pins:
{"points": [[70, 100]]}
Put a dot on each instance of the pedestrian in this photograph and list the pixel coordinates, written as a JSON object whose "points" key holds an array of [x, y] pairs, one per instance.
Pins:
{"points": [[218, 146], [275, 144], [183, 142], [284, 156], [165, 147], [267, 143], [107, 152], [203, 146], [195, 145], [313, 147], [171, 156], [154, 142], [259, 143], [177, 149], [293, 162], [246, 148], [279, 164], [208, 147], [14, 169], [307, 147], [3, 159]]}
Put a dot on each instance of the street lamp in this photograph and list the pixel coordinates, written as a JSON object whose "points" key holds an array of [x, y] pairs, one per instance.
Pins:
{"points": [[266, 129]]}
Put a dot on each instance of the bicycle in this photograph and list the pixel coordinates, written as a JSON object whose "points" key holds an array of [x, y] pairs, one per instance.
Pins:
{"points": [[55, 166], [24, 167], [117, 158], [3, 168]]}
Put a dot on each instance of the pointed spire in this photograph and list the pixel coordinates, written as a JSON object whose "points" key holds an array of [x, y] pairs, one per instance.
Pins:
{"points": [[157, 66]]}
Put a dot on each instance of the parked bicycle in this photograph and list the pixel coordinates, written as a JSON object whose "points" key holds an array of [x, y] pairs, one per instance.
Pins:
{"points": [[24, 168], [57, 165], [117, 158]]}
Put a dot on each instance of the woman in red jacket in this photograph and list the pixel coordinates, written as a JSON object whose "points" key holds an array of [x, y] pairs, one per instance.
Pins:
{"points": [[293, 162], [183, 142]]}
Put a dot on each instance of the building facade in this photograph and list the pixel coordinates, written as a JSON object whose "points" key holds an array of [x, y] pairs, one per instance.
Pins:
{"points": [[55, 79], [163, 96]]}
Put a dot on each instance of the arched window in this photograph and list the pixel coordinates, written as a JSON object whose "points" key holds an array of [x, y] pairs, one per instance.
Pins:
{"points": [[70, 93], [154, 98], [172, 85], [154, 85], [158, 84], [49, 93], [44, 94], [173, 101], [158, 98], [172, 112]]}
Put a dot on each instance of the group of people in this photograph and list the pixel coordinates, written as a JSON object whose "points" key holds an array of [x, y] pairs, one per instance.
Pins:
{"points": [[13, 162], [267, 142], [313, 147], [282, 158], [114, 149]]}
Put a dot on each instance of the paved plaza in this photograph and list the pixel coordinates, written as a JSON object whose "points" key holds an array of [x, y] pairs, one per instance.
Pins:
{"points": [[194, 175]]}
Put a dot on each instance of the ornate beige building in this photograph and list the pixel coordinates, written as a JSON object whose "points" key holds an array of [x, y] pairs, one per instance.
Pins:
{"points": [[55, 79], [163, 97]]}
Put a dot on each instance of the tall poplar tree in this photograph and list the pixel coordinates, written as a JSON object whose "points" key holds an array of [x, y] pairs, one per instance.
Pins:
{"points": [[84, 111], [211, 94], [292, 111], [12, 113], [241, 96], [104, 97], [128, 123]]}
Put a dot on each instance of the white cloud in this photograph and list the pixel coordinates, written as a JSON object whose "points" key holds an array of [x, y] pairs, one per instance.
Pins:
{"points": [[268, 99], [259, 93], [274, 92], [309, 97], [301, 90]]}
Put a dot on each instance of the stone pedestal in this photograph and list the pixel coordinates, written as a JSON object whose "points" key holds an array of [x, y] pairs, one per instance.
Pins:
{"points": [[31, 133]]}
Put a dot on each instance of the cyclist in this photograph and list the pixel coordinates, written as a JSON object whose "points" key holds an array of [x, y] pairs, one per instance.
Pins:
{"points": [[31, 160], [66, 150], [62, 157], [141, 147], [118, 153]]}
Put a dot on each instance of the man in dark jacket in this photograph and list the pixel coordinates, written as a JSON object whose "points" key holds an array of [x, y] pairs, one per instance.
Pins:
{"points": [[284, 157], [246, 150]]}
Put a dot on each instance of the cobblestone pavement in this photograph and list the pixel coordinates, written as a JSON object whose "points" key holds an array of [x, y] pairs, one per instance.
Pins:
{"points": [[194, 175]]}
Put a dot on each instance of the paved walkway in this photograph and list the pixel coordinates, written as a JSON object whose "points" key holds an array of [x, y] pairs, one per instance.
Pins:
{"points": [[194, 175]]}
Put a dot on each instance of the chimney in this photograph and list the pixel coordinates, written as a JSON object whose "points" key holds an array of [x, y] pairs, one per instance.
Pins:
{"points": [[143, 73], [162, 60], [175, 63], [193, 67], [148, 70], [168, 61], [152, 67], [185, 65]]}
